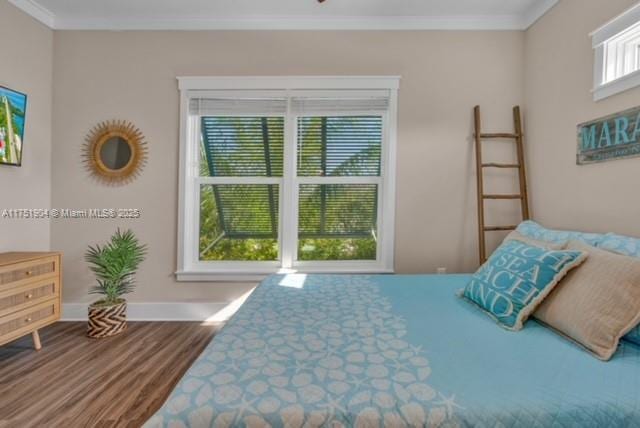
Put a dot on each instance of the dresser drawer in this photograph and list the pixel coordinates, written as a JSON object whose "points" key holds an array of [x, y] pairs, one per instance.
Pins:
{"points": [[19, 323], [19, 274], [16, 299]]}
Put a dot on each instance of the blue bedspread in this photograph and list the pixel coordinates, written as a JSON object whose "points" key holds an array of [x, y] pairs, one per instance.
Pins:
{"points": [[356, 350]]}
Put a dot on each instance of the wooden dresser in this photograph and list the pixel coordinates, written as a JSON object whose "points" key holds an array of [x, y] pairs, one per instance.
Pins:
{"points": [[30, 294]]}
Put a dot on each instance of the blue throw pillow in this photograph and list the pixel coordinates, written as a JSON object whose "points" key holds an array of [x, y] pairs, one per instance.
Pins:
{"points": [[627, 246], [516, 278], [531, 229], [624, 245], [633, 336]]}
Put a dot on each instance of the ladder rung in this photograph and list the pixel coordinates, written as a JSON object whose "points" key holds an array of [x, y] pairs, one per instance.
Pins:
{"points": [[499, 228], [515, 136], [502, 196], [499, 135], [500, 165]]}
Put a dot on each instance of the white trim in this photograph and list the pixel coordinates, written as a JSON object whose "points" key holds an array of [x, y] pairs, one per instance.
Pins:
{"points": [[168, 311], [616, 25], [208, 276], [189, 266], [388, 211], [537, 11], [622, 84], [37, 11], [381, 23], [285, 83], [598, 71], [290, 22], [340, 180], [185, 192], [469, 22], [289, 224], [235, 267], [611, 45], [225, 276], [239, 180]]}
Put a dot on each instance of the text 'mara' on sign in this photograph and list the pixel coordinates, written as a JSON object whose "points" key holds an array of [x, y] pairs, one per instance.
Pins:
{"points": [[612, 137]]}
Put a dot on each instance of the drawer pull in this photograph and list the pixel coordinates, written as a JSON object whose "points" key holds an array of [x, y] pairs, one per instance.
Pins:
{"points": [[29, 296], [28, 319], [28, 273]]}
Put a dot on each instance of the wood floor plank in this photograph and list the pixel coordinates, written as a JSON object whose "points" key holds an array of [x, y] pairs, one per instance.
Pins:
{"points": [[81, 382]]}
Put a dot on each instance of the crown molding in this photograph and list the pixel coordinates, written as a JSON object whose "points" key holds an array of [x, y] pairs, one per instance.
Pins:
{"points": [[35, 10], [508, 22], [469, 22], [537, 11]]}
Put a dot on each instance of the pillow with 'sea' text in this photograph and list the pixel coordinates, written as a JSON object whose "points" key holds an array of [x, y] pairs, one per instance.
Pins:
{"points": [[516, 279]]}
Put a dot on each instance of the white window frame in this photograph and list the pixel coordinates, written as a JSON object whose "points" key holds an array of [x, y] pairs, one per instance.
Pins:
{"points": [[190, 268], [616, 47]]}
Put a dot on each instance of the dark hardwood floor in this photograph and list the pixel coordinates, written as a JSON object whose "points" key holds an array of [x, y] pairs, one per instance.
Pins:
{"points": [[75, 381]]}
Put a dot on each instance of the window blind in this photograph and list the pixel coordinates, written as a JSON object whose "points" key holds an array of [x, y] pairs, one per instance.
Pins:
{"points": [[242, 146], [314, 106], [339, 146], [237, 106], [335, 137], [299, 105], [245, 211], [337, 210]]}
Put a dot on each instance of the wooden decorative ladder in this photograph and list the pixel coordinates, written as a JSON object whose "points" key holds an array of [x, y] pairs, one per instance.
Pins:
{"points": [[517, 137]]}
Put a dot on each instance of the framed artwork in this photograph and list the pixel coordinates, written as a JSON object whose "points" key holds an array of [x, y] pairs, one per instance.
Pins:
{"points": [[13, 108]]}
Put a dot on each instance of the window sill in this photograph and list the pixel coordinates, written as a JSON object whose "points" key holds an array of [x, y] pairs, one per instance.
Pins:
{"points": [[617, 86], [230, 276], [193, 276]]}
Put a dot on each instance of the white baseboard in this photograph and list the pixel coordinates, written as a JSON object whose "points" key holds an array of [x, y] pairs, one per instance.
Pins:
{"points": [[179, 311]]}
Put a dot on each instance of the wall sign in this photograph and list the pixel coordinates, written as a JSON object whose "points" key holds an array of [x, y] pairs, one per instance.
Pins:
{"points": [[612, 137]]}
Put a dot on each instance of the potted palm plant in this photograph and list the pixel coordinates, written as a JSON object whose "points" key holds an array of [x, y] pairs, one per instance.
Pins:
{"points": [[114, 265]]}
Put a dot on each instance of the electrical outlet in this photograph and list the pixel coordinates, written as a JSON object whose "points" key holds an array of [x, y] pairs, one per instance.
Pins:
{"points": [[442, 270]]}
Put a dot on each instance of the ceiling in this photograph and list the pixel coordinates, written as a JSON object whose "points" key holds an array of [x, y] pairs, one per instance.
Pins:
{"points": [[286, 14]]}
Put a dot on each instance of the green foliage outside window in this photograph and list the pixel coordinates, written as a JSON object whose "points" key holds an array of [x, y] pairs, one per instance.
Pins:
{"points": [[337, 222]]}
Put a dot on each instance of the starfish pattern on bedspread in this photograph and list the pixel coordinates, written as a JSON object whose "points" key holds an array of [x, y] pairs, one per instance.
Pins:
{"points": [[331, 353]]}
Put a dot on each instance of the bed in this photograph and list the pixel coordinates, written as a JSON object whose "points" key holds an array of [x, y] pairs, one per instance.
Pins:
{"points": [[394, 350]]}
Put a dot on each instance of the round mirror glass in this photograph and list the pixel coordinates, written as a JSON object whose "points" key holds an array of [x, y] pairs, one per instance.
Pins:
{"points": [[115, 153]]}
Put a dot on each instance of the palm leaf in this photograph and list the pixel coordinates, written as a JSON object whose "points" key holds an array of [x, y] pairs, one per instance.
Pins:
{"points": [[115, 264]]}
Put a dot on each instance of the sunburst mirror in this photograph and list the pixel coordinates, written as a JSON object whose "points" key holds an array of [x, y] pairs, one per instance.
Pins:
{"points": [[115, 151]]}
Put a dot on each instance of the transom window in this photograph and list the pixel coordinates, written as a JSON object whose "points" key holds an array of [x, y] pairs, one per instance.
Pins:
{"points": [[287, 179], [622, 54], [617, 54]]}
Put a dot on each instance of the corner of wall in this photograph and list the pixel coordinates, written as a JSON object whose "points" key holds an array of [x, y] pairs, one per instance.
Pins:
{"points": [[21, 36]]}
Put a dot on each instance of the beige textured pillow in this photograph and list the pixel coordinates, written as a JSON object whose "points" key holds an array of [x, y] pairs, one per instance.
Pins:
{"points": [[597, 303], [517, 236]]}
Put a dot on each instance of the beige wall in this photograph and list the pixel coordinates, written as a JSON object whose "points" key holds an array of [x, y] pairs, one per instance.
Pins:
{"points": [[559, 76], [132, 75], [26, 47]]}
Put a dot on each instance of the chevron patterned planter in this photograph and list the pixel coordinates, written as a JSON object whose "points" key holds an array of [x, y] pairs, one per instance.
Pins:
{"points": [[105, 321]]}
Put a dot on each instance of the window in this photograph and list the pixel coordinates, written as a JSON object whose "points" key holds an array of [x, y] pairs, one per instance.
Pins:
{"points": [[617, 54], [282, 179]]}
